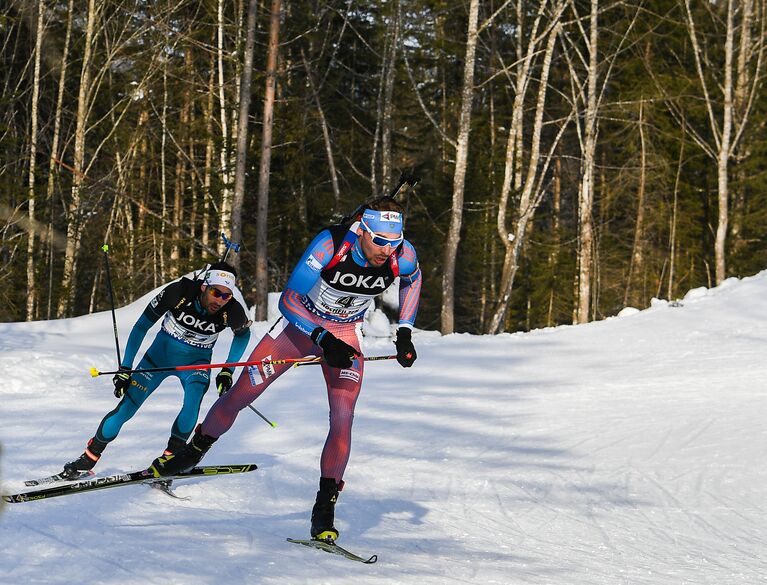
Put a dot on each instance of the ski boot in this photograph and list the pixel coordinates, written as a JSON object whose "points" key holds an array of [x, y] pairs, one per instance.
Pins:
{"points": [[323, 512], [185, 458], [174, 445], [86, 461]]}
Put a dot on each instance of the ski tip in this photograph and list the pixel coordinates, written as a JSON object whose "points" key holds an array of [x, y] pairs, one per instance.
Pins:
{"points": [[94, 372], [331, 546], [105, 248]]}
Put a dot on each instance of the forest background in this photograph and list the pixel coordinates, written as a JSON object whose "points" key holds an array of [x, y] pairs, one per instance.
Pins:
{"points": [[575, 156]]}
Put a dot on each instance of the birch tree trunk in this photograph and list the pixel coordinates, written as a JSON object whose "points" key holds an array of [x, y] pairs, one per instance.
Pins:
{"points": [[262, 272], [726, 132], [673, 220], [556, 211], [531, 192], [586, 187], [143, 173], [31, 281], [723, 158], [53, 161], [226, 196], [459, 177], [242, 131], [637, 254], [74, 226], [740, 105], [209, 155]]}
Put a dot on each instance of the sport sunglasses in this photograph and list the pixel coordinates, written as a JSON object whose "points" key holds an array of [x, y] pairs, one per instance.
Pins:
{"points": [[380, 240], [218, 293]]}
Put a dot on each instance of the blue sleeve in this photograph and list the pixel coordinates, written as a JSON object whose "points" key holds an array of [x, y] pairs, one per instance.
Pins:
{"points": [[136, 337], [314, 259], [408, 261], [239, 345], [409, 285], [156, 308], [304, 276]]}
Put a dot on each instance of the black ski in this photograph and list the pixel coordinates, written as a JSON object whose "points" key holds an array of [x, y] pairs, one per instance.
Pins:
{"points": [[57, 478], [333, 548], [144, 476]]}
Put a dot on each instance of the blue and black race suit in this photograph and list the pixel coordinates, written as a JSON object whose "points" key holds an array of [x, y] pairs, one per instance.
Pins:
{"points": [[187, 337]]}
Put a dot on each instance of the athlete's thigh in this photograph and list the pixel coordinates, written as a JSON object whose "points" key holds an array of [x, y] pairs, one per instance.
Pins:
{"points": [[283, 341], [144, 383], [195, 382], [345, 383]]}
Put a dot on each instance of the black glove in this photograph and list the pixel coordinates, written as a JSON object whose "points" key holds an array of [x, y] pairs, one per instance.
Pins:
{"points": [[224, 381], [338, 354], [121, 381], [406, 354]]}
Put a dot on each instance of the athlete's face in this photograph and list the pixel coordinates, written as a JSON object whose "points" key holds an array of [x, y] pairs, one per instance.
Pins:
{"points": [[374, 253], [214, 297]]}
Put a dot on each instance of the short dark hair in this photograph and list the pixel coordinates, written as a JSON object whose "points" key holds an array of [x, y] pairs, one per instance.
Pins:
{"points": [[386, 203], [224, 266]]}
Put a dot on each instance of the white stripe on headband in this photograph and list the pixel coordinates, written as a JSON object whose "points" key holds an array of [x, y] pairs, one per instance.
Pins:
{"points": [[382, 221], [220, 277]]}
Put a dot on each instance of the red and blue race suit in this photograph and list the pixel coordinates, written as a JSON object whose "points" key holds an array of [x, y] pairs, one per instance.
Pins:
{"points": [[333, 294]]}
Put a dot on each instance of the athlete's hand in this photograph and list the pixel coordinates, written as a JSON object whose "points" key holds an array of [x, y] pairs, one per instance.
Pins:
{"points": [[337, 353], [121, 381], [406, 354], [224, 381]]}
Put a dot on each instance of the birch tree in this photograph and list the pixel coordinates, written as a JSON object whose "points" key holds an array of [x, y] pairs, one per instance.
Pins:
{"points": [[529, 182], [31, 280], [447, 313], [74, 219], [590, 70], [587, 95], [637, 251], [723, 85], [752, 39], [54, 155], [223, 108]]}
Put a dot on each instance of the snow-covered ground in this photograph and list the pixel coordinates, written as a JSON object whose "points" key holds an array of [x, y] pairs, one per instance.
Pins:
{"points": [[627, 451]]}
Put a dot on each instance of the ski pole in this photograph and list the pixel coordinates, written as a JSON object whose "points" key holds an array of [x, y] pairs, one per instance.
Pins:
{"points": [[271, 424], [372, 358], [95, 372], [105, 248]]}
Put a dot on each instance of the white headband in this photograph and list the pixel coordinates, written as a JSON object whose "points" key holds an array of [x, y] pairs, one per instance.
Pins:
{"points": [[221, 277]]}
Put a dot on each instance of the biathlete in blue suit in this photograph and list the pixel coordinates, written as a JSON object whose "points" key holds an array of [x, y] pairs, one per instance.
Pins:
{"points": [[195, 312], [322, 306]]}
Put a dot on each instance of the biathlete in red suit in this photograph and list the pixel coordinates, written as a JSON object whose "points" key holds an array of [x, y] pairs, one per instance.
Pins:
{"points": [[322, 306]]}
